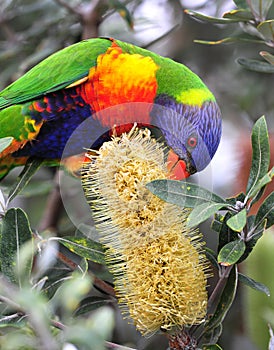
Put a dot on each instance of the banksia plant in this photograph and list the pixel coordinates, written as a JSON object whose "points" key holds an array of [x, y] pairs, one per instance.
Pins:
{"points": [[160, 271]]}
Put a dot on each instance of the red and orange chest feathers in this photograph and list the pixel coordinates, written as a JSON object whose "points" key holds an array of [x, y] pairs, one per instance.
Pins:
{"points": [[118, 80]]}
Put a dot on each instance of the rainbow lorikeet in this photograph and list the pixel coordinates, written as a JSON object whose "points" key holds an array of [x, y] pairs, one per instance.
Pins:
{"points": [[112, 85]]}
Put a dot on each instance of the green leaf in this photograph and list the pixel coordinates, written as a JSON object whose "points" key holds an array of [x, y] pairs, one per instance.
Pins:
{"points": [[211, 347], [123, 11], [216, 20], [268, 57], [5, 142], [85, 247], [225, 301], [248, 281], [260, 155], [211, 257], [241, 15], [255, 232], [15, 232], [266, 212], [91, 303], [262, 183], [37, 188], [232, 39], [260, 8], [255, 65], [202, 212], [241, 4], [237, 222], [234, 200], [29, 170], [231, 252], [266, 28], [211, 337], [83, 266], [182, 194], [226, 235], [217, 222]]}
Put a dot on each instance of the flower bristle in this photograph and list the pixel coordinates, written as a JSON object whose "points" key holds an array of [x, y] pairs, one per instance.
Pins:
{"points": [[159, 268]]}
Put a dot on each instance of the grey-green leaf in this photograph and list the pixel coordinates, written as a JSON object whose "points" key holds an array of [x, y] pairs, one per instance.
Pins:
{"points": [[266, 28], [29, 170], [237, 222], [248, 281], [260, 155], [85, 248], [242, 15], [231, 252], [255, 65], [15, 232], [211, 337], [268, 57], [123, 11], [182, 194], [266, 212], [261, 183], [241, 4], [92, 303], [211, 347], [202, 212], [5, 142], [232, 39], [260, 8], [212, 258], [200, 16]]}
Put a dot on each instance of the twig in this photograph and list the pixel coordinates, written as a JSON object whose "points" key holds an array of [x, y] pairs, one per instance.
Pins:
{"points": [[70, 8], [58, 324], [103, 286], [11, 303], [89, 14], [91, 18], [8, 31], [110, 345], [219, 286], [98, 283]]}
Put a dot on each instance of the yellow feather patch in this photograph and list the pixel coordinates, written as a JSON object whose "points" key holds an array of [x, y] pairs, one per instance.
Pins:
{"points": [[30, 130], [195, 97]]}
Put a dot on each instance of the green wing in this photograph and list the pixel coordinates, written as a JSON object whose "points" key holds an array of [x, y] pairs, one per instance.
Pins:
{"points": [[55, 72]]}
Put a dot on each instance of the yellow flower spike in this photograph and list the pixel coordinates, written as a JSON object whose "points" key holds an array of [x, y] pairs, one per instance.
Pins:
{"points": [[159, 269]]}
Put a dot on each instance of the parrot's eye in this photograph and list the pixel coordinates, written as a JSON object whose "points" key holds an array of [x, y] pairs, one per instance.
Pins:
{"points": [[192, 141]]}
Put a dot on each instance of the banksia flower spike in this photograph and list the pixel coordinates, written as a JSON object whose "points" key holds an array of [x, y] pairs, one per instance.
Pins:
{"points": [[157, 261]]}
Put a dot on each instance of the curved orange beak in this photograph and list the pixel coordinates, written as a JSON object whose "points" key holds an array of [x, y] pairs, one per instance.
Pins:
{"points": [[176, 167]]}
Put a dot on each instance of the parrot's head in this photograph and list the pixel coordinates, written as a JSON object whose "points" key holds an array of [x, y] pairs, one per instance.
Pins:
{"points": [[191, 132]]}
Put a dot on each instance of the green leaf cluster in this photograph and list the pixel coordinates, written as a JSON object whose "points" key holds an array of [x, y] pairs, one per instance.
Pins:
{"points": [[237, 231], [254, 27], [47, 298]]}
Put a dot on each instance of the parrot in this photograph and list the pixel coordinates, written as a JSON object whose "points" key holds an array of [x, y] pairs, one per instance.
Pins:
{"points": [[92, 89]]}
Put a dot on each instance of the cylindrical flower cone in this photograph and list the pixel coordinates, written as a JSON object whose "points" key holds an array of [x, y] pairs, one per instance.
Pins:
{"points": [[159, 268]]}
